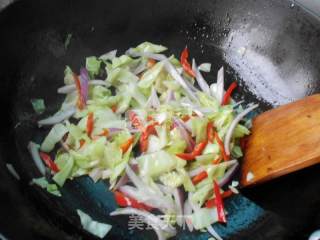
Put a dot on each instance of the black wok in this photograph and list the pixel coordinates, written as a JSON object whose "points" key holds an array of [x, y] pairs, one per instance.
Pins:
{"points": [[270, 47]]}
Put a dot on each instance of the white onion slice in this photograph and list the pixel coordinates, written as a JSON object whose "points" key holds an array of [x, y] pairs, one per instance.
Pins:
{"points": [[233, 125], [170, 96], [202, 83], [96, 174], [58, 117], [137, 181], [229, 174], [156, 223], [106, 173], [72, 87], [122, 181], [214, 233], [64, 146], [220, 85], [162, 202], [237, 104], [168, 66], [153, 100], [187, 212], [140, 68], [196, 171], [34, 151], [165, 189], [178, 198], [12, 171], [174, 73], [184, 134]]}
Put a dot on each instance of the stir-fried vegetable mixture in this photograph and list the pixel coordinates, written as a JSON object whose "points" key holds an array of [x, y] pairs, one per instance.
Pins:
{"points": [[150, 125]]}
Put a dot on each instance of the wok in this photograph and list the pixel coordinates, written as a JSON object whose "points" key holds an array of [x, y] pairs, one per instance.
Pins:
{"points": [[270, 47]]}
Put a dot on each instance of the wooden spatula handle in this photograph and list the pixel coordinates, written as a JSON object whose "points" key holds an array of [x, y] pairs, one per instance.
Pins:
{"points": [[283, 140]]}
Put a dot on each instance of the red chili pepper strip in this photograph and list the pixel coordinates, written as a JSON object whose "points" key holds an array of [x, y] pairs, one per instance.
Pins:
{"points": [[149, 118], [210, 132], [185, 118], [114, 108], [149, 130], [184, 62], [49, 162], [218, 160], [105, 133], [199, 148], [228, 93], [125, 146], [81, 101], [82, 142], [135, 121], [198, 178], [212, 202], [186, 156], [243, 143], [219, 203], [221, 146], [124, 201], [151, 62], [90, 122], [144, 142], [196, 152]]}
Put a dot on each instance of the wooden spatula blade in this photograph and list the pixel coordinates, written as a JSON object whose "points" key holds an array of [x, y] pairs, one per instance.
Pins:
{"points": [[283, 140]]}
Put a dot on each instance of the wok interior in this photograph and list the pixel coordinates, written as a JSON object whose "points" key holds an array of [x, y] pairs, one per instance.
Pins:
{"points": [[266, 46]]}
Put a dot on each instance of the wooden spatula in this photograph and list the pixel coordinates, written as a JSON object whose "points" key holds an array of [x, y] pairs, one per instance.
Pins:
{"points": [[283, 140]]}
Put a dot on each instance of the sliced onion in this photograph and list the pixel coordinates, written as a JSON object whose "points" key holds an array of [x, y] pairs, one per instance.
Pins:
{"points": [[122, 181], [160, 201], [237, 104], [84, 79], [95, 174], [67, 89], [133, 130], [196, 171], [194, 207], [137, 181], [220, 85], [112, 131], [109, 55], [228, 175], [156, 223], [214, 233], [34, 151], [165, 189], [184, 134], [174, 73], [64, 145], [58, 117], [170, 96], [140, 68], [161, 117], [179, 200], [202, 83], [72, 87], [168, 66], [153, 100], [106, 173], [187, 212], [233, 125], [12, 171]]}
